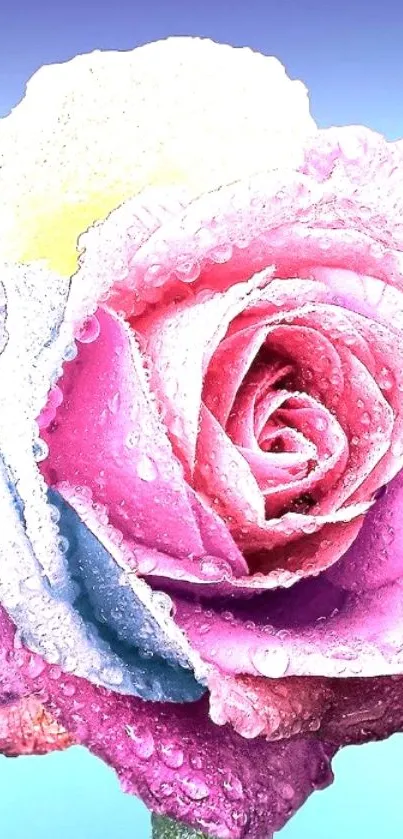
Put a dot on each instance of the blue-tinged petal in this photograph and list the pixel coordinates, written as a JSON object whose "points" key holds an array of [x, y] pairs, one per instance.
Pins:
{"points": [[49, 623], [106, 601]]}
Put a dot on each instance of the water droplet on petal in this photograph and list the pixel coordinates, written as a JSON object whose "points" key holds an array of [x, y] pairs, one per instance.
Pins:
{"points": [[194, 788], [156, 275], [68, 689], [160, 789], [112, 675], [147, 564], [34, 667], [171, 755], [188, 271], [70, 352], [213, 567], [385, 379], [40, 450], [114, 402], [146, 469], [143, 741], [63, 544], [233, 788], [54, 673], [221, 253], [88, 331], [162, 601], [286, 791], [272, 662], [54, 513]]}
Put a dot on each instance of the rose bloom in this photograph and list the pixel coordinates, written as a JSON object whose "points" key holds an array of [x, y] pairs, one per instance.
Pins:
{"points": [[201, 431]]}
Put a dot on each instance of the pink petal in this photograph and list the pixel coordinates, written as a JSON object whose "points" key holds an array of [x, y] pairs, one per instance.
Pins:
{"points": [[339, 378], [235, 354], [376, 556], [275, 708], [325, 461], [107, 436], [312, 629], [338, 711], [175, 759], [255, 401], [108, 419], [245, 337], [26, 728], [223, 474], [369, 351], [180, 341]]}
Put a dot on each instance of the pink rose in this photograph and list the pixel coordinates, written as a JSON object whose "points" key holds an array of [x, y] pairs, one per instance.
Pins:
{"points": [[230, 431]]}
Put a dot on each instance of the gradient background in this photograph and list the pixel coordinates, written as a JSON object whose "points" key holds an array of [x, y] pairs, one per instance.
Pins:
{"points": [[350, 56]]}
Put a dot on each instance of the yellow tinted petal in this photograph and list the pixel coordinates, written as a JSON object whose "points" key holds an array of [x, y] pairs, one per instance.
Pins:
{"points": [[95, 130]]}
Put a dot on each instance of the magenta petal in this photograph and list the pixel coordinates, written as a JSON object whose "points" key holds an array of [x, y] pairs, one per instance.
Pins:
{"points": [[108, 436], [222, 472], [376, 556], [311, 629], [180, 341], [183, 766], [177, 761], [338, 711]]}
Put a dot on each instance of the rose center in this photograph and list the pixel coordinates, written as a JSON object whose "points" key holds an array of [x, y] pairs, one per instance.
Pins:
{"points": [[291, 441]]}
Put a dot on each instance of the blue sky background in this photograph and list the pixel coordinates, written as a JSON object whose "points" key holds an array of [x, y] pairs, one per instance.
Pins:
{"points": [[350, 56], [349, 53]]}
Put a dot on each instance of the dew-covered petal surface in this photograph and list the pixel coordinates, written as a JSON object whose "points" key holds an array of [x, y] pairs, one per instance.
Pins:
{"points": [[295, 220], [84, 631], [110, 419], [133, 621], [87, 139], [314, 629], [376, 556], [27, 728], [180, 341], [338, 711], [34, 583], [178, 761]]}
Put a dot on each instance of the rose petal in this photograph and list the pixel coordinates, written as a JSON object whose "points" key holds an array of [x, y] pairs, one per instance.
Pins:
{"points": [[345, 384], [134, 622], [275, 708], [223, 473], [27, 728], [313, 628], [376, 556], [107, 249], [121, 452], [339, 711], [95, 143], [164, 755], [293, 219], [36, 338], [255, 402], [239, 348], [180, 341]]}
